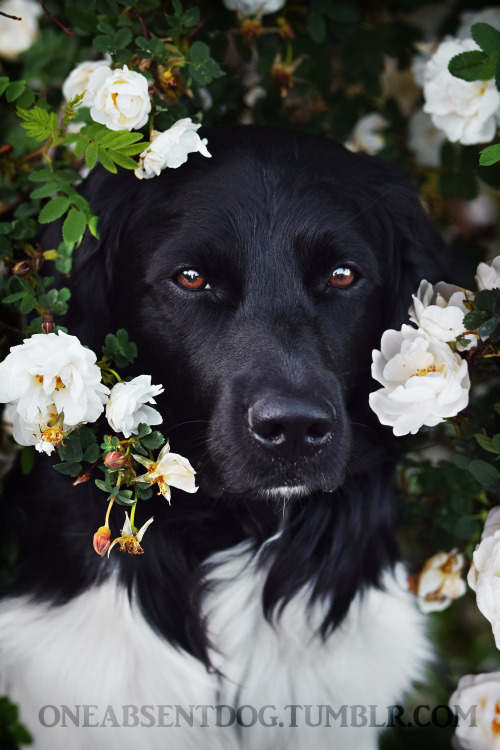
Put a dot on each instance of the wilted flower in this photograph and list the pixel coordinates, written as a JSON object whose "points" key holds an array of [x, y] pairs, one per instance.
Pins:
{"points": [[127, 405], [130, 539], [440, 581], [439, 310], [251, 7], [18, 36], [47, 375], [482, 731], [367, 134], [488, 275], [466, 111], [170, 470], [424, 381], [78, 80], [484, 573], [171, 148], [102, 540], [120, 98]]}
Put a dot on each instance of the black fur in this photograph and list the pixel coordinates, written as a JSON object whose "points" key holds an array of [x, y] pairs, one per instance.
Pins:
{"points": [[266, 220]]}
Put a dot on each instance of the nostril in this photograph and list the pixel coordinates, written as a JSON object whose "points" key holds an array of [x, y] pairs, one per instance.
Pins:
{"points": [[292, 426]]}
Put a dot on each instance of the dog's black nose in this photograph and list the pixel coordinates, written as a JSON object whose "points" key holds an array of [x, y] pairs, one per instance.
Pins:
{"points": [[291, 426]]}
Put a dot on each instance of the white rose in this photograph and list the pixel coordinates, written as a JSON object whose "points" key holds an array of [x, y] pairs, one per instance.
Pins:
{"points": [[481, 729], [440, 582], [424, 139], [488, 275], [424, 381], [251, 7], [171, 148], [127, 406], [366, 135], [18, 36], [439, 310], [466, 111], [78, 80], [49, 374], [484, 573], [120, 98]]}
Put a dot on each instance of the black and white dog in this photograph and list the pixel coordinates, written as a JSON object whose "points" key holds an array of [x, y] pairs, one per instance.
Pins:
{"points": [[256, 285]]}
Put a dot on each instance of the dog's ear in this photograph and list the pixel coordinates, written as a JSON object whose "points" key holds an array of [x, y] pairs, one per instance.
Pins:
{"points": [[416, 250]]}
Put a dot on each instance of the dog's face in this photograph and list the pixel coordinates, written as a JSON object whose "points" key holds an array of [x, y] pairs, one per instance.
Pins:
{"points": [[256, 285]]}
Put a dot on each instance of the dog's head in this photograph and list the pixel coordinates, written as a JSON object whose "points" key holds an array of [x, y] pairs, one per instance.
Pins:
{"points": [[256, 284]]}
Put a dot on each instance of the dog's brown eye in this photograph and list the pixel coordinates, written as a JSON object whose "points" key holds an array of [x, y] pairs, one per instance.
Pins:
{"points": [[191, 279], [341, 277]]}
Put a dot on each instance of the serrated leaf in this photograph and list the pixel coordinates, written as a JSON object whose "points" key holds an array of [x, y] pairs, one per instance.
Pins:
{"points": [[92, 453], [489, 328], [486, 474], [473, 320], [106, 161], [45, 190], [153, 441], [11, 298], [54, 209], [101, 485], [28, 304], [125, 497], [126, 162], [42, 175], [486, 37], [143, 430], [122, 38], [91, 155], [135, 148], [472, 66], [74, 226], [69, 468], [81, 144]]}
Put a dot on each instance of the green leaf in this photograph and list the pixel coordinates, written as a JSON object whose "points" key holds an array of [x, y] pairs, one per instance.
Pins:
{"points": [[4, 82], [42, 175], [28, 304], [53, 210], [486, 37], [487, 443], [472, 66], [69, 468], [91, 155], [144, 493], [489, 155], [13, 298], [74, 226], [206, 69], [106, 161], [92, 453], [45, 190], [101, 485], [143, 430], [123, 161], [461, 461], [14, 90], [154, 440], [486, 474], [473, 320], [489, 328]]}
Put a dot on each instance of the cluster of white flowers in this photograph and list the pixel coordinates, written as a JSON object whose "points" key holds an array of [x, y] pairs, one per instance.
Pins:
{"points": [[16, 36], [51, 384], [424, 379], [467, 112], [484, 573], [120, 100]]}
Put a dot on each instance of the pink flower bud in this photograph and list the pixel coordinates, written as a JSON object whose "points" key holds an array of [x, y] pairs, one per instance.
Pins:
{"points": [[115, 460], [102, 539]]}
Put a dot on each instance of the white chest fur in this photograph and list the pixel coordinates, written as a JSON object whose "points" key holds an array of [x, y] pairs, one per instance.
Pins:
{"points": [[98, 677]]}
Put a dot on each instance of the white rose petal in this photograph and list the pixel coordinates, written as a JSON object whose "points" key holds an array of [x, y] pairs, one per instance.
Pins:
{"points": [[120, 98], [424, 139], [424, 381], [127, 406], [488, 275], [49, 374], [480, 731], [439, 310], [18, 36], [78, 80], [171, 148], [251, 7], [487, 15], [466, 111], [484, 573], [367, 136]]}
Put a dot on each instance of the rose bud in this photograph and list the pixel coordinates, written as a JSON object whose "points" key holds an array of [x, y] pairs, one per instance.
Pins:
{"points": [[115, 460], [102, 539], [47, 323]]}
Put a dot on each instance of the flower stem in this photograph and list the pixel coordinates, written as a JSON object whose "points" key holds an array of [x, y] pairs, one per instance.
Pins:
{"points": [[110, 505]]}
